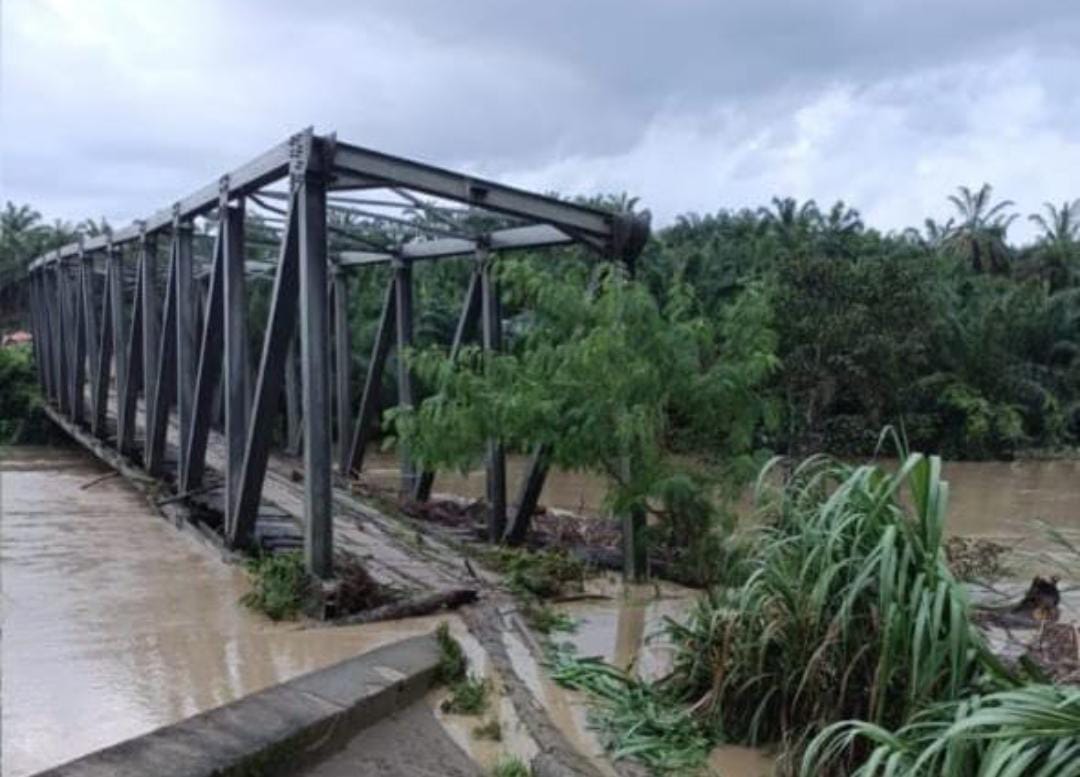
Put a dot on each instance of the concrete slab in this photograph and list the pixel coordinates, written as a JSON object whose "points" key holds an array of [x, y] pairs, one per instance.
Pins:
{"points": [[409, 743], [280, 729]]}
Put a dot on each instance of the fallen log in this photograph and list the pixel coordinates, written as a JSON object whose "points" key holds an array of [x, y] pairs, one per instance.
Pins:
{"points": [[412, 607]]}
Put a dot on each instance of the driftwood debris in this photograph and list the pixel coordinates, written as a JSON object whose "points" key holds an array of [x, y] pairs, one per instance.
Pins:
{"points": [[413, 607], [102, 479], [1039, 605]]}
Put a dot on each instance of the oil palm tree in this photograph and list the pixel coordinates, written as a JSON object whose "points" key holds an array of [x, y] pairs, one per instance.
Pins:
{"points": [[934, 235], [1058, 246], [789, 220], [979, 236]]}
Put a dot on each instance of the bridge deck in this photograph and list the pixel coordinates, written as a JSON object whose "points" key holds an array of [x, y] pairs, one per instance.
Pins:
{"points": [[386, 547]]}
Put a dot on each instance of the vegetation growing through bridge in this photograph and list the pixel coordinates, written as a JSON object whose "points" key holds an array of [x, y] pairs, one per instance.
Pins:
{"points": [[597, 374], [280, 585]]}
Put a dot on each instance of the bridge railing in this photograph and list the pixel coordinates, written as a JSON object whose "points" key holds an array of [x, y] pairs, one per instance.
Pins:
{"points": [[173, 333]]}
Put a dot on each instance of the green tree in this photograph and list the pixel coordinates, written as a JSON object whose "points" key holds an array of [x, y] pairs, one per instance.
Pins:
{"points": [[613, 382], [1058, 243], [979, 236]]}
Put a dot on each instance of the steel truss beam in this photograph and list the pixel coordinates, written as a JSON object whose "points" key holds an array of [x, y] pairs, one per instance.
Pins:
{"points": [[173, 347]]}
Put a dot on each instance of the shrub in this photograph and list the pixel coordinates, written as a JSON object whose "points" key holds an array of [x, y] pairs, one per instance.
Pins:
{"points": [[468, 696], [280, 585]]}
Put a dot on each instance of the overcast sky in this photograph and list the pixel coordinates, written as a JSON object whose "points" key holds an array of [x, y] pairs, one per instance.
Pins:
{"points": [[118, 107]]}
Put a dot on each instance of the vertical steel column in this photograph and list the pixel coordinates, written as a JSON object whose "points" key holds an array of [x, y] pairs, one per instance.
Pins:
{"points": [[280, 326], [185, 335], [162, 392], [62, 335], [105, 355], [369, 400], [635, 522], [315, 365], [403, 291], [293, 428], [76, 356], [342, 368], [115, 279], [41, 334], [532, 485], [35, 330], [134, 377], [208, 374], [236, 347], [78, 346], [151, 326], [496, 459], [91, 332]]}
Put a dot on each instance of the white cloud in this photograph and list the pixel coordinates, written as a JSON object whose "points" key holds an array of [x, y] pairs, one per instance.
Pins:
{"points": [[868, 146]]}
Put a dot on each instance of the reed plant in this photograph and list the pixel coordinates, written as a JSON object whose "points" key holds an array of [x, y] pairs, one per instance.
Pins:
{"points": [[1026, 731], [849, 610]]}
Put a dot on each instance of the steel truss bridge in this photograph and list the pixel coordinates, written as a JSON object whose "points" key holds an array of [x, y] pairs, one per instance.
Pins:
{"points": [[142, 333]]}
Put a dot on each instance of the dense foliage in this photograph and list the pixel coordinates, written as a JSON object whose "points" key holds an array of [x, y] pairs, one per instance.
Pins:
{"points": [[18, 393], [612, 381], [968, 340]]}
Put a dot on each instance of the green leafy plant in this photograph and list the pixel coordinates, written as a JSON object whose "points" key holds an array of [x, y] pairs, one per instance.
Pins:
{"points": [[850, 610], [468, 696], [599, 373], [18, 390], [452, 661], [1028, 730], [280, 585]]}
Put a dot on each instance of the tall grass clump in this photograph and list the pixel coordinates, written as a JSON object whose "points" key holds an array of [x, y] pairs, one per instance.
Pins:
{"points": [[848, 611], [1030, 731]]}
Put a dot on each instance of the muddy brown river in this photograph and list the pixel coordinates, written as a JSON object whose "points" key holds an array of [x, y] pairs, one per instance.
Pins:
{"points": [[1004, 500], [115, 622]]}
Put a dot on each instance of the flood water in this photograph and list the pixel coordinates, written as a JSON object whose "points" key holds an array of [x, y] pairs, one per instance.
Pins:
{"points": [[115, 622], [1003, 500]]}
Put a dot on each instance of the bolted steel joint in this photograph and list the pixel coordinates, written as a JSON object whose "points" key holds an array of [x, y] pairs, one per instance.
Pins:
{"points": [[223, 193], [300, 147]]}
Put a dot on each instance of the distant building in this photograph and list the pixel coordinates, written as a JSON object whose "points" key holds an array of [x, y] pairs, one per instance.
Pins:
{"points": [[16, 338]]}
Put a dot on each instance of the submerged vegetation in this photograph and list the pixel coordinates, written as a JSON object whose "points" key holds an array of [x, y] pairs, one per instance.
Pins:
{"points": [[468, 695], [848, 643], [633, 719], [280, 585]]}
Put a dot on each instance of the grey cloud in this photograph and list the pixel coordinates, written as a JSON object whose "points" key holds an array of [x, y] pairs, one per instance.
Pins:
{"points": [[689, 103]]}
